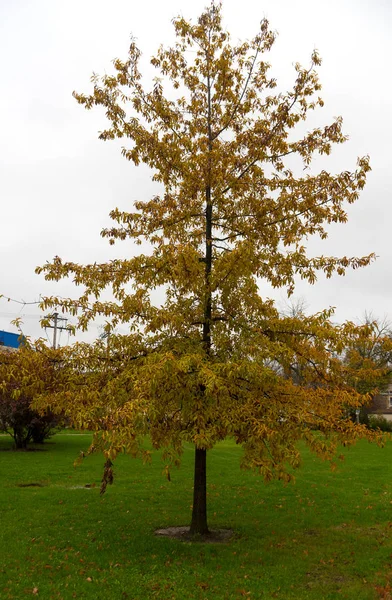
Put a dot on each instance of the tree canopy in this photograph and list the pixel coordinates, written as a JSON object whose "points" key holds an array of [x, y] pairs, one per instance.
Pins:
{"points": [[200, 366], [24, 374], [369, 356]]}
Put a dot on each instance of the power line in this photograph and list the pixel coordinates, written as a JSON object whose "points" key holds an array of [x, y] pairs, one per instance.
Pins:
{"points": [[24, 315], [23, 302]]}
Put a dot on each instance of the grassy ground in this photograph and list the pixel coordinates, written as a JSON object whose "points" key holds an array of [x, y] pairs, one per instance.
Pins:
{"points": [[328, 536]]}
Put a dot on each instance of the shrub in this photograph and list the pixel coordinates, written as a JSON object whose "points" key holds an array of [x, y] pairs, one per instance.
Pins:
{"points": [[23, 423], [379, 422]]}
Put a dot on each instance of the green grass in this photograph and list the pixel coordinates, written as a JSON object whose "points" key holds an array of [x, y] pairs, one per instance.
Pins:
{"points": [[328, 536]]}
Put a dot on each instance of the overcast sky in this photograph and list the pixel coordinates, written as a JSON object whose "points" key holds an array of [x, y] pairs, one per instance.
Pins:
{"points": [[58, 182]]}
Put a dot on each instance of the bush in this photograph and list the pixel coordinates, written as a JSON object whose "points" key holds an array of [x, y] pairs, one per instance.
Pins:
{"points": [[24, 375], [24, 424], [379, 422]]}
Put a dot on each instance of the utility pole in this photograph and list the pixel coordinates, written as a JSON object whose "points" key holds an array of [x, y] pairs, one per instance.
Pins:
{"points": [[57, 320]]}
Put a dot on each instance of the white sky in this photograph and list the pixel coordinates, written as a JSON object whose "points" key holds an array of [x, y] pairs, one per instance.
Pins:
{"points": [[58, 182]]}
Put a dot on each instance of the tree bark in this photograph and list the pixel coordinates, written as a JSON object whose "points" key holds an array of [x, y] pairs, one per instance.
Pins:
{"points": [[20, 439], [199, 513]]}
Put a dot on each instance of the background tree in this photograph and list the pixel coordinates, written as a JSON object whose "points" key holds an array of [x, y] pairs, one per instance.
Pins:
{"points": [[370, 355], [23, 375], [369, 358], [232, 212]]}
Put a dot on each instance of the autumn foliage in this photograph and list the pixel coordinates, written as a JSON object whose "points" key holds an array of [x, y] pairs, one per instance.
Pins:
{"points": [[24, 374], [369, 356], [214, 358]]}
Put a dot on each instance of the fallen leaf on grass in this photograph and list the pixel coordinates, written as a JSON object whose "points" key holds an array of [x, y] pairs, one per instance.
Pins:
{"points": [[202, 585]]}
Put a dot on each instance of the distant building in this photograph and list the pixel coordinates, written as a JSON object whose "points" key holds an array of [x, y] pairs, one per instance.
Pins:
{"points": [[382, 404], [9, 340]]}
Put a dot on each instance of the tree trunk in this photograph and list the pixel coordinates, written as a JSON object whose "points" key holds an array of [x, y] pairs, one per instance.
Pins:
{"points": [[199, 512], [20, 439]]}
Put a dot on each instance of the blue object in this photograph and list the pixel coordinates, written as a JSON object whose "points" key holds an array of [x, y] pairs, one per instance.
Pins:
{"points": [[10, 340]]}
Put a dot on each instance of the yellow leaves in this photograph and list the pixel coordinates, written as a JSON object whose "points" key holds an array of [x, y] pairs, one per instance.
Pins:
{"points": [[111, 453], [167, 472], [213, 358], [28, 369], [316, 58]]}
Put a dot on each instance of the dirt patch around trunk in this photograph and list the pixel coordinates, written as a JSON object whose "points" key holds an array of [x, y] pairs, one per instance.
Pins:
{"points": [[215, 536]]}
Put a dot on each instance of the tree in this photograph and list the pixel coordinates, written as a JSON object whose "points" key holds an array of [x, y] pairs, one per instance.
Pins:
{"points": [[23, 375], [197, 367], [369, 358]]}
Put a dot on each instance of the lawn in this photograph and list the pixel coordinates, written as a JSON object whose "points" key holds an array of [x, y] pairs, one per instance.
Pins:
{"points": [[327, 536]]}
